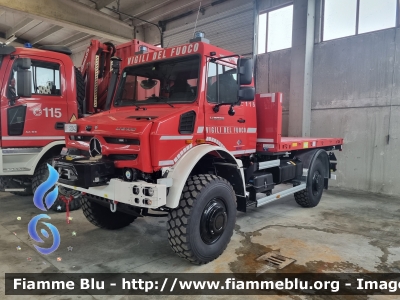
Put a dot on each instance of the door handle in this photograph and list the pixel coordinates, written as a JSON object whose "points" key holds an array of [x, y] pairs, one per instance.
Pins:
{"points": [[241, 120], [60, 125]]}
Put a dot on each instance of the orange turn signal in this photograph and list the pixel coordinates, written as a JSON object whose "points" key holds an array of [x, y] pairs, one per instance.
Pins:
{"points": [[189, 141], [200, 141]]}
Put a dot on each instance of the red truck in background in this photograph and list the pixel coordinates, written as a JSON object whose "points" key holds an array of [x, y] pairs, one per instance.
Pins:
{"points": [[186, 137], [33, 115]]}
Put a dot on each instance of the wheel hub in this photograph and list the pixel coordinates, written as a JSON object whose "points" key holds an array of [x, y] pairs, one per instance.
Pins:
{"points": [[213, 221], [318, 182]]}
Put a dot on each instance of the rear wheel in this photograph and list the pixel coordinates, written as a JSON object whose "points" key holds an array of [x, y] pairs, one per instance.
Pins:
{"points": [[17, 183], [41, 174], [311, 196], [102, 216], [200, 228]]}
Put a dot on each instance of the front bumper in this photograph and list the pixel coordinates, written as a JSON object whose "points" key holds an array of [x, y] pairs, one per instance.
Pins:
{"points": [[95, 178]]}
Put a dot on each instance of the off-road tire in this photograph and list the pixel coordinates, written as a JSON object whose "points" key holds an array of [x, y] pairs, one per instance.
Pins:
{"points": [[28, 191], [80, 91], [310, 197], [183, 226], [41, 174], [103, 217]]}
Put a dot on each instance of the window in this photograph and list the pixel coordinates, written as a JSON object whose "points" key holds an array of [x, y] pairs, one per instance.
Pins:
{"points": [[350, 17], [168, 81], [376, 15], [275, 30], [45, 78], [225, 83]]}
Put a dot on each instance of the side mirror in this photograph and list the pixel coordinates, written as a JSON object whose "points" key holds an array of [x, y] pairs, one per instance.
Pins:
{"points": [[246, 93], [245, 71], [24, 83]]}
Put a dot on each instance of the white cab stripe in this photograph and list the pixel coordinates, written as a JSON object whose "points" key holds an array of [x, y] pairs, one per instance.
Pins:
{"points": [[251, 130], [31, 138], [176, 137], [200, 129]]}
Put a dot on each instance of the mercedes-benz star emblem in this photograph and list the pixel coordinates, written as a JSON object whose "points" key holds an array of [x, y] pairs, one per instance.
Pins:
{"points": [[94, 147]]}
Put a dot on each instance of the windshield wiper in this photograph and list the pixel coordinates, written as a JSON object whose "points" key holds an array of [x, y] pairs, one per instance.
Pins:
{"points": [[139, 108], [162, 98]]}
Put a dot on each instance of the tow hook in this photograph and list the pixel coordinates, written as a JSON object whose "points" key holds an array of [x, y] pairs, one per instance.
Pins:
{"points": [[113, 206], [67, 202]]}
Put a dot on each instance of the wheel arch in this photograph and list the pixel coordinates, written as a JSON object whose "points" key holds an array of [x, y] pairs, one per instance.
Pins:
{"points": [[184, 168], [308, 157], [50, 150]]}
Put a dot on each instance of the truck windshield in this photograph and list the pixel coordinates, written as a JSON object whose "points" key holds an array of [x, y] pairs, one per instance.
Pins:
{"points": [[168, 81]]}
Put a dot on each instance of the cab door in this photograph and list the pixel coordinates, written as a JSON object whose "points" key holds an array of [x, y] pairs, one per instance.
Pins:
{"points": [[38, 120], [221, 128]]}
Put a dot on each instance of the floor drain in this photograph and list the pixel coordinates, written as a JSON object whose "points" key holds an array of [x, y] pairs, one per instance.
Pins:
{"points": [[275, 260]]}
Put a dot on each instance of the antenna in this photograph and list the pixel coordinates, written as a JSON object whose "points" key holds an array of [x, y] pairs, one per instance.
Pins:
{"points": [[195, 25]]}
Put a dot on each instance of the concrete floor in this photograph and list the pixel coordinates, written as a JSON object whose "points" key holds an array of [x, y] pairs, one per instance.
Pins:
{"points": [[347, 232]]}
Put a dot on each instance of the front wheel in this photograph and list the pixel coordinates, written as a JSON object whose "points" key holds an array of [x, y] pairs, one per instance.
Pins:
{"points": [[311, 196], [102, 216], [41, 174], [200, 228]]}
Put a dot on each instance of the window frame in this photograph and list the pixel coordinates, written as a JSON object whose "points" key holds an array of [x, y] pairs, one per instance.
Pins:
{"points": [[224, 64], [267, 11], [121, 82], [12, 74], [357, 25]]}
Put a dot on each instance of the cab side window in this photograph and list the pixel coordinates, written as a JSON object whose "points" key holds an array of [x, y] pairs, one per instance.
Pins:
{"points": [[45, 78], [222, 85]]}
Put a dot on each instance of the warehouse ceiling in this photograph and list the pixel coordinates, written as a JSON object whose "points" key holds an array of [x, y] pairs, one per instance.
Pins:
{"points": [[74, 23]]}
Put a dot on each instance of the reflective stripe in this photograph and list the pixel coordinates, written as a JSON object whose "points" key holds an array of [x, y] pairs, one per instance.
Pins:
{"points": [[215, 141], [165, 163], [251, 130], [30, 138], [243, 151], [200, 129], [265, 140], [176, 137]]}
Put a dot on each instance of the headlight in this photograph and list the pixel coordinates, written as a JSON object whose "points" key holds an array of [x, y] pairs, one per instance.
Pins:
{"points": [[71, 128]]}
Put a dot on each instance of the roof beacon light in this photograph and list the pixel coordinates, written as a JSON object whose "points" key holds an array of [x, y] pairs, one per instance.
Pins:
{"points": [[28, 45], [199, 37], [199, 34], [142, 49]]}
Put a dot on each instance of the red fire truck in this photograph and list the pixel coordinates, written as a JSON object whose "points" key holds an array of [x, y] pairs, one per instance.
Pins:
{"points": [[187, 138], [33, 113]]}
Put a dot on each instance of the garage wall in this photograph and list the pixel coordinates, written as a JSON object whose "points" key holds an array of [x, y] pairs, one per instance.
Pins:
{"points": [[356, 90], [272, 76], [231, 29]]}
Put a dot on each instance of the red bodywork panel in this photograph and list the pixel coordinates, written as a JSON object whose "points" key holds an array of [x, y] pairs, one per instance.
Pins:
{"points": [[254, 124], [42, 111], [96, 69], [269, 124]]}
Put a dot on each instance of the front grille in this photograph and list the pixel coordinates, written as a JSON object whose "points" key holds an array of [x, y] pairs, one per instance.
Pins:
{"points": [[85, 138], [186, 123], [122, 156], [112, 140]]}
